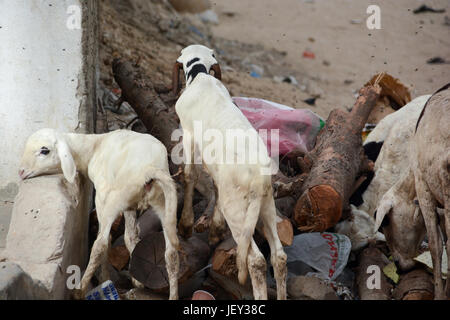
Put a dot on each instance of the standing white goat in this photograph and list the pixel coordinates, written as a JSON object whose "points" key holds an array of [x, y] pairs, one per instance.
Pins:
{"points": [[129, 171], [244, 194], [430, 161]]}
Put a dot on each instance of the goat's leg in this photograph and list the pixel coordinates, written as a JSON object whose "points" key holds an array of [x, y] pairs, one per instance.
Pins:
{"points": [[234, 208], [257, 270], [190, 177], [100, 247], [277, 255], [218, 225], [169, 226], [427, 206], [104, 264], [131, 237]]}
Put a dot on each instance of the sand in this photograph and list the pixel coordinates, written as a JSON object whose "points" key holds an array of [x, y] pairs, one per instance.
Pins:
{"points": [[344, 52]]}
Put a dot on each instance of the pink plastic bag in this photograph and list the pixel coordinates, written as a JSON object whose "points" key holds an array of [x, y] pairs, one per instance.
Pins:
{"points": [[298, 128]]}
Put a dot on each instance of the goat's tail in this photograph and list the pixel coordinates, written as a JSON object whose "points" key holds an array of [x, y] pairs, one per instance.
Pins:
{"points": [[246, 236], [166, 183]]}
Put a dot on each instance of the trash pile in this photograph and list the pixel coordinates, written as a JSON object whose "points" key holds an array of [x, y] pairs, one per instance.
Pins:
{"points": [[329, 256], [335, 263]]}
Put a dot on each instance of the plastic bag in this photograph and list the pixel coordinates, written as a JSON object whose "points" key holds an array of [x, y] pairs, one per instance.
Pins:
{"points": [[298, 128], [325, 252], [105, 291]]}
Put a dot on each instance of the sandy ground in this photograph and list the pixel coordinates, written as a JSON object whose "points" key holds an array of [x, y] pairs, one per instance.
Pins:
{"points": [[352, 53], [273, 35]]}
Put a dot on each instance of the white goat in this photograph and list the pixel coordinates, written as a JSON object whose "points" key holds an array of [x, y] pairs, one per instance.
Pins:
{"points": [[244, 193], [430, 161], [123, 166], [392, 133]]}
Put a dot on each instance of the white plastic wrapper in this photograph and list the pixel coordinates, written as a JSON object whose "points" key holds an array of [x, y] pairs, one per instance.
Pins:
{"points": [[325, 252]]}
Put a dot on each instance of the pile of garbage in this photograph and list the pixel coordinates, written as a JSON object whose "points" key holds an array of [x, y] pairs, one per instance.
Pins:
{"points": [[334, 264], [347, 260]]}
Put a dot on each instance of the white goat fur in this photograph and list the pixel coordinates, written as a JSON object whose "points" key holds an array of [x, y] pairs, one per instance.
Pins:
{"points": [[359, 228], [121, 164], [430, 161], [244, 194], [395, 130]]}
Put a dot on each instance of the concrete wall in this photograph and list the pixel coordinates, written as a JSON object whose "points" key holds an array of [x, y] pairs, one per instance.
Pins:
{"points": [[48, 76]]}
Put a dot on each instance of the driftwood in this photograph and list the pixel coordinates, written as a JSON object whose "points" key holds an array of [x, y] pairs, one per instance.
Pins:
{"points": [[148, 264], [334, 165]]}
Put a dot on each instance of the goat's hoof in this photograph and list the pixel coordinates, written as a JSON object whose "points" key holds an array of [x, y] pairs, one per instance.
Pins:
{"points": [[173, 297]]}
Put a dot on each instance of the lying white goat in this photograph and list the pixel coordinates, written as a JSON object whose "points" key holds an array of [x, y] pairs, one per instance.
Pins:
{"points": [[244, 193], [129, 171]]}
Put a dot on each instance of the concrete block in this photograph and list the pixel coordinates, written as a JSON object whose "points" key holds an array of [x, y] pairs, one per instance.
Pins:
{"points": [[15, 284], [48, 231]]}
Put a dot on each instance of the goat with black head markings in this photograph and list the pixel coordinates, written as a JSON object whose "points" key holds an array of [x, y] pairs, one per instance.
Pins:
{"points": [[244, 194]]}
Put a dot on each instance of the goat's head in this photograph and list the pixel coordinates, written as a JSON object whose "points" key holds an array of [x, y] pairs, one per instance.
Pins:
{"points": [[193, 60], [47, 152], [403, 226]]}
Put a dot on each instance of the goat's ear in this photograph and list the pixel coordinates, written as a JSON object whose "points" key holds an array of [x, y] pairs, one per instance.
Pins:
{"points": [[383, 209], [67, 163], [217, 72], [176, 77]]}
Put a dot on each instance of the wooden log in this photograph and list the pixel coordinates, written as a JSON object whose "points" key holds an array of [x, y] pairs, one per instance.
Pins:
{"points": [[333, 165], [237, 291], [285, 206], [148, 264], [159, 117], [285, 231], [118, 256], [224, 259], [415, 285], [224, 271], [371, 257], [287, 186]]}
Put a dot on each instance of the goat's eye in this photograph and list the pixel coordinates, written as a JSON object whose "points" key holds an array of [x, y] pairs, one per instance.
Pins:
{"points": [[45, 151]]}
